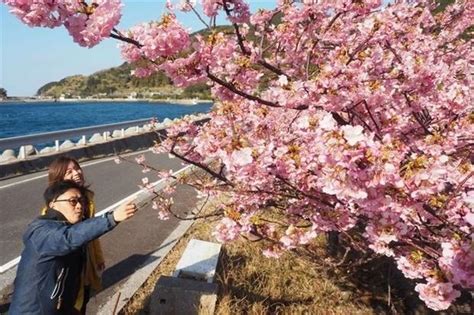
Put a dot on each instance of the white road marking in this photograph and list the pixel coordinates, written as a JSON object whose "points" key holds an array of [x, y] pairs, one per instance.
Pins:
{"points": [[12, 263], [82, 165]]}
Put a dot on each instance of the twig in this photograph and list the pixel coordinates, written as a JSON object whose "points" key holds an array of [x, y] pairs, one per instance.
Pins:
{"points": [[116, 303], [348, 249], [370, 114], [425, 128], [240, 41], [201, 166], [198, 15], [393, 52], [304, 193], [458, 189], [126, 39], [389, 287], [359, 48]]}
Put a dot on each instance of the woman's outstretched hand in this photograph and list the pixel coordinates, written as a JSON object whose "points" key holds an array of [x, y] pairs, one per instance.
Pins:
{"points": [[125, 211]]}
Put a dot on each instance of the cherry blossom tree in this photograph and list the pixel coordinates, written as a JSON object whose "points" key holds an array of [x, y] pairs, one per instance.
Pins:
{"points": [[342, 115]]}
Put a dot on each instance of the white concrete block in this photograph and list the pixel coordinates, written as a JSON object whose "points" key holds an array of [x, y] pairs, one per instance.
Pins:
{"points": [[8, 156], [96, 138], [66, 145], [47, 150], [82, 141], [199, 260], [117, 134], [8, 153], [30, 150], [131, 131]]}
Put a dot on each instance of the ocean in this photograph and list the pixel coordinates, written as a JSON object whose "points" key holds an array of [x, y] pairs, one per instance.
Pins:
{"points": [[19, 119]]}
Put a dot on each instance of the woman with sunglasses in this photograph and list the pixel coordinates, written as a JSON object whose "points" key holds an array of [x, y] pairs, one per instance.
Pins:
{"points": [[67, 168], [49, 277]]}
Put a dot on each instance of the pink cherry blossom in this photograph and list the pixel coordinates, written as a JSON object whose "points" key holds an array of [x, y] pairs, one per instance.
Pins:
{"points": [[437, 295], [227, 230], [88, 29], [163, 215], [353, 134], [140, 159]]}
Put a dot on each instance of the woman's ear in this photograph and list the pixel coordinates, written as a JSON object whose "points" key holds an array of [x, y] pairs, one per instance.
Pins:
{"points": [[51, 204]]}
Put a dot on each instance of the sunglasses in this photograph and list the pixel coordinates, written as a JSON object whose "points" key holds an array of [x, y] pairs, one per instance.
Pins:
{"points": [[73, 201]]}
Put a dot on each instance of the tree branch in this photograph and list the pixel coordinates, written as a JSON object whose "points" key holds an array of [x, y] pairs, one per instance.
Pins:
{"points": [[425, 128], [119, 36], [203, 167], [232, 88]]}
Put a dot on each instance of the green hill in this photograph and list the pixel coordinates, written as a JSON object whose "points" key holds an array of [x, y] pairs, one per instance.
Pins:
{"points": [[118, 82]]}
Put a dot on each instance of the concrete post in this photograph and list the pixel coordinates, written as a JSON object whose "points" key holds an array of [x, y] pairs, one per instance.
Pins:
{"points": [[56, 144], [123, 132], [22, 153], [136, 129], [83, 139], [183, 296], [104, 135]]}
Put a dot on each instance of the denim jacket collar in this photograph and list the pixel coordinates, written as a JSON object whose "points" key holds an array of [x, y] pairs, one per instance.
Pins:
{"points": [[52, 214]]}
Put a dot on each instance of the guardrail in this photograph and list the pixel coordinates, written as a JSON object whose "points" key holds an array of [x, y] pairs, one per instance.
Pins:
{"points": [[56, 136]]}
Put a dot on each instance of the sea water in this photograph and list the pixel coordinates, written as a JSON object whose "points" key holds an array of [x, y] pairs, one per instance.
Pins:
{"points": [[19, 119]]}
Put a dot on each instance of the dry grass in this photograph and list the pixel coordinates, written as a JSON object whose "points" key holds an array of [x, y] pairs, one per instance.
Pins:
{"points": [[249, 283], [253, 284]]}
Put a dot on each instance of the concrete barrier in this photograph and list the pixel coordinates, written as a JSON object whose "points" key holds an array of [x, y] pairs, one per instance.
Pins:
{"points": [[114, 146], [176, 296], [85, 150]]}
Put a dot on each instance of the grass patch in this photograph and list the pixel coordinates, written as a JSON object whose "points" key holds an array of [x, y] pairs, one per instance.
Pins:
{"points": [[253, 284]]}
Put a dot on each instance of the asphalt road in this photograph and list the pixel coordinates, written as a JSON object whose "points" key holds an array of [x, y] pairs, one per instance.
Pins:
{"points": [[21, 197], [126, 248]]}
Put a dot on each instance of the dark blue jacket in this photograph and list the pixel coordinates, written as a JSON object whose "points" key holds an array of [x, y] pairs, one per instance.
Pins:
{"points": [[48, 276]]}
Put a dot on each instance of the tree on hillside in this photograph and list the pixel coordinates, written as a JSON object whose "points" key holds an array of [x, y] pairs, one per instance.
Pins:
{"points": [[3, 93], [339, 116]]}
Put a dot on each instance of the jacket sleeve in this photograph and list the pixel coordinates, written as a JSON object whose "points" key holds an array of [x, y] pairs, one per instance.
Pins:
{"points": [[58, 239]]}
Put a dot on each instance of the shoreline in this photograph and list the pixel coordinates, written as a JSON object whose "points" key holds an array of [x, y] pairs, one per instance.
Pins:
{"points": [[185, 102]]}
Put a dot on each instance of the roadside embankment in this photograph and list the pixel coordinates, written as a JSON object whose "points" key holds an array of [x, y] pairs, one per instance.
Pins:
{"points": [[88, 150], [37, 163]]}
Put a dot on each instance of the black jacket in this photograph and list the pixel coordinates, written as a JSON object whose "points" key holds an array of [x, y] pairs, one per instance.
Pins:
{"points": [[48, 275]]}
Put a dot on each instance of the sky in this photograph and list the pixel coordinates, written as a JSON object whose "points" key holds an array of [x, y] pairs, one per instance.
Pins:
{"points": [[32, 57]]}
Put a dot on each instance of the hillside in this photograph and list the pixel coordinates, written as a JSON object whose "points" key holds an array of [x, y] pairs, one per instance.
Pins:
{"points": [[117, 82]]}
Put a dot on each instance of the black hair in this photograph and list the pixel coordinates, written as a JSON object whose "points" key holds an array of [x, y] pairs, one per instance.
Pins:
{"points": [[58, 188]]}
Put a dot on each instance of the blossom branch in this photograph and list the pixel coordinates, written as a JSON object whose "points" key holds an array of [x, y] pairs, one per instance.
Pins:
{"points": [[201, 166], [240, 41], [417, 118], [119, 36], [232, 88]]}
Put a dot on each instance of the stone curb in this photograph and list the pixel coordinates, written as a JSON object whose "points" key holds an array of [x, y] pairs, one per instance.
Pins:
{"points": [[138, 278]]}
